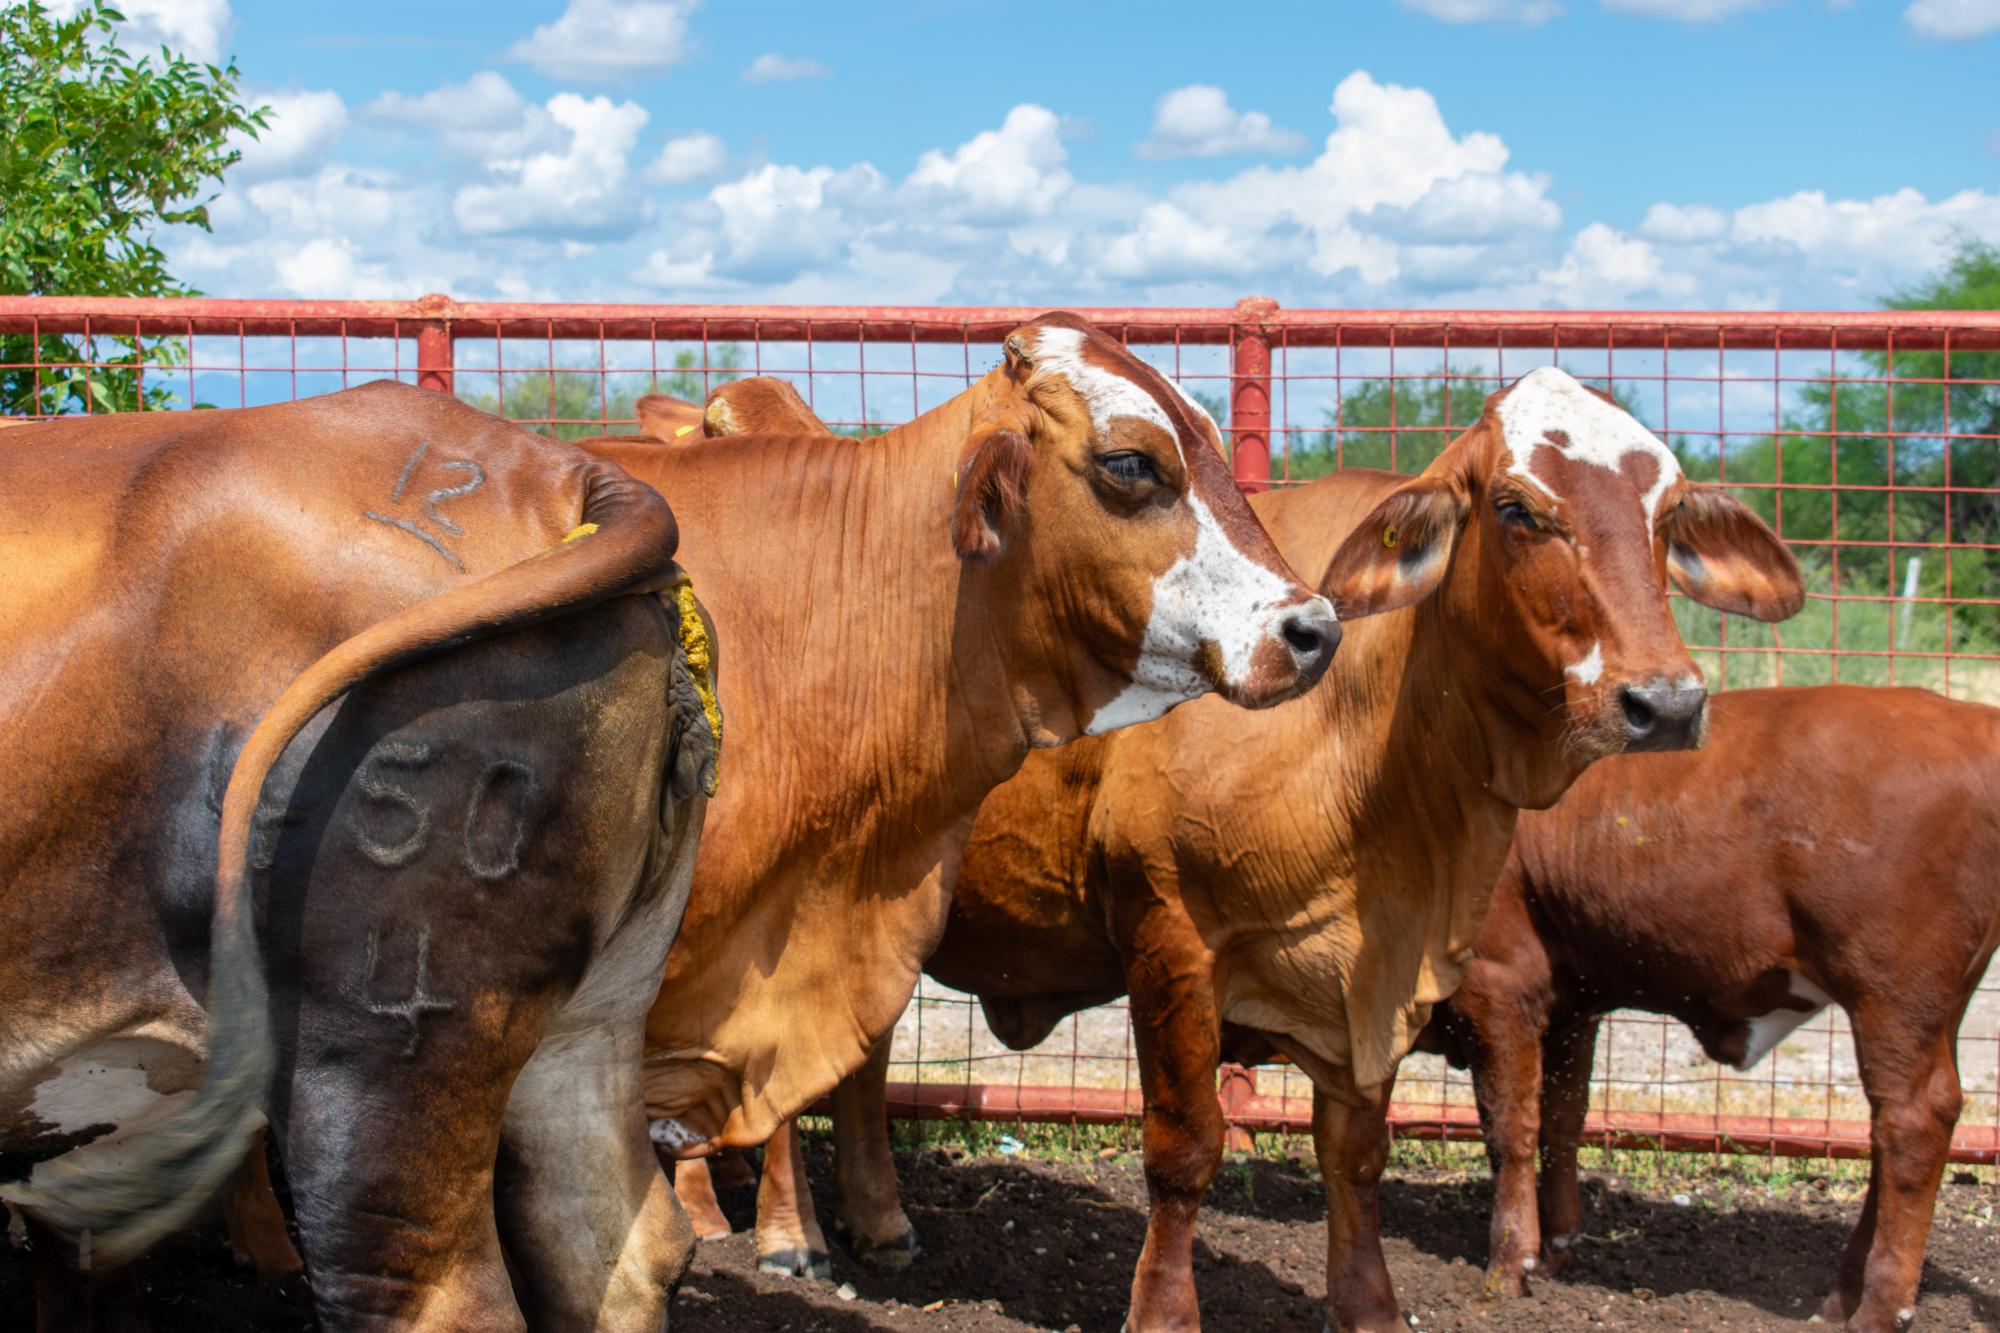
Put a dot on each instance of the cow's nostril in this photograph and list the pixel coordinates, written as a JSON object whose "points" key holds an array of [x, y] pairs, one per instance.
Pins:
{"points": [[1306, 641], [1639, 715]]}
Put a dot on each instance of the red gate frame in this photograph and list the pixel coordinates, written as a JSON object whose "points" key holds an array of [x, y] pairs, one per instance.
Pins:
{"points": [[1251, 329]]}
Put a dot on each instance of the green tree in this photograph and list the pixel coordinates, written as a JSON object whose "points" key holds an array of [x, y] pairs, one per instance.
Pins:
{"points": [[1883, 462], [576, 404], [102, 151], [1399, 424]]}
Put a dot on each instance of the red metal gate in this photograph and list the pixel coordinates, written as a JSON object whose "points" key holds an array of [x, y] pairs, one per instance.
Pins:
{"points": [[1871, 440]]}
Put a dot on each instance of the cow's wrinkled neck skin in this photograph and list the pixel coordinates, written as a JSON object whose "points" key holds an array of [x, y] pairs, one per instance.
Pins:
{"points": [[831, 573]]}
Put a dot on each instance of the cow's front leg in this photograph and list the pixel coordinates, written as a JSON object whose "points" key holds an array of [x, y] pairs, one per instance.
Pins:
{"points": [[789, 1240], [594, 1232], [694, 1186], [1178, 1038], [871, 1222], [1566, 1061], [1352, 1139]]}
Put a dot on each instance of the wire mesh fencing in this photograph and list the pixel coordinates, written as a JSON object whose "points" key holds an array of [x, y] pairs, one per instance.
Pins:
{"points": [[1870, 441]]}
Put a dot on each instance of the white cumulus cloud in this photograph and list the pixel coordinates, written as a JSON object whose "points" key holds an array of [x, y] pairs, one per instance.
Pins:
{"points": [[1680, 225], [1604, 267], [774, 68], [1197, 121], [1013, 173], [583, 188], [303, 128], [1486, 11], [691, 157], [608, 40], [197, 29], [1953, 20], [482, 118]]}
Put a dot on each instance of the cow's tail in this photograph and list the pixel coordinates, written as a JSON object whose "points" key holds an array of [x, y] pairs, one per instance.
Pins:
{"points": [[117, 1204]]}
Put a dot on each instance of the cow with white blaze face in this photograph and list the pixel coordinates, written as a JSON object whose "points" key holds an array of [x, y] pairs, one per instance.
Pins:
{"points": [[1056, 552], [1309, 881]]}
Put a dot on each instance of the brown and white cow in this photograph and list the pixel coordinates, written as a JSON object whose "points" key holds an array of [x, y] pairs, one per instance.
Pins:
{"points": [[1835, 845], [1058, 551], [487, 741], [1310, 880]]}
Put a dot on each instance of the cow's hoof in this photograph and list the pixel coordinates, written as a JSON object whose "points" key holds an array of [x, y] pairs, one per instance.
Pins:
{"points": [[797, 1262], [888, 1256]]}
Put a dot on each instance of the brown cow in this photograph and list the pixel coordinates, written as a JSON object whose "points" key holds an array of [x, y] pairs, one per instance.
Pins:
{"points": [[1830, 845], [1058, 551], [758, 405], [466, 871], [1310, 880], [256, 1224]]}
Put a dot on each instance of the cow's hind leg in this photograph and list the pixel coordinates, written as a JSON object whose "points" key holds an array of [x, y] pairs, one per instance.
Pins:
{"points": [[1914, 1097], [69, 1299], [789, 1240], [393, 1191], [1507, 1079], [595, 1234], [1178, 1037], [255, 1223], [870, 1221], [1353, 1146]]}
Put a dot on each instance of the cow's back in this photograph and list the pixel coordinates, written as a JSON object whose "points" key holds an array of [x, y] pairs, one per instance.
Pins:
{"points": [[1865, 814]]}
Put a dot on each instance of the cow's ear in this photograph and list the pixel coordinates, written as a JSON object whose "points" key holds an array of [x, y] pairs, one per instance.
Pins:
{"points": [[665, 417], [1399, 551], [990, 488], [1722, 555]]}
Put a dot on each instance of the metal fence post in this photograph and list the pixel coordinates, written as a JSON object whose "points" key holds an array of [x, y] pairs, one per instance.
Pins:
{"points": [[1250, 394], [434, 344], [1237, 1089]]}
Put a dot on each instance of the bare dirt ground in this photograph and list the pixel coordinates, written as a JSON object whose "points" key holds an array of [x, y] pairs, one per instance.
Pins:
{"points": [[1014, 1243]]}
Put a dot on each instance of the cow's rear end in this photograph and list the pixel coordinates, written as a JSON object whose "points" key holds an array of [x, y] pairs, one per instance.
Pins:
{"points": [[482, 695]]}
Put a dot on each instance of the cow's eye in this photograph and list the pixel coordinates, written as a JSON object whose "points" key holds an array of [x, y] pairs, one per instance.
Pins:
{"points": [[1517, 515], [1129, 466]]}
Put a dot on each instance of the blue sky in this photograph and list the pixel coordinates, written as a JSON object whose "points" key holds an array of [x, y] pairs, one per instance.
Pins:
{"points": [[1614, 153]]}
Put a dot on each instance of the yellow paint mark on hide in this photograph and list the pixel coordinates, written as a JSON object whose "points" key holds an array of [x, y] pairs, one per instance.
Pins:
{"points": [[580, 530], [1622, 821], [682, 430], [699, 652]]}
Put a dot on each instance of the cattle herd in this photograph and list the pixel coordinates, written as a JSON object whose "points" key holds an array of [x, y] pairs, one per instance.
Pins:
{"points": [[494, 822]]}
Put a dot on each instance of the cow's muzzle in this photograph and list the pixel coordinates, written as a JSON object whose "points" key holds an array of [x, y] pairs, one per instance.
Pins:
{"points": [[1664, 715]]}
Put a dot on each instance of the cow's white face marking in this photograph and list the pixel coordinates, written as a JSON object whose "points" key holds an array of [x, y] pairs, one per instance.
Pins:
{"points": [[1202, 598], [1549, 409], [1767, 1030], [1214, 594], [1590, 667], [1106, 393]]}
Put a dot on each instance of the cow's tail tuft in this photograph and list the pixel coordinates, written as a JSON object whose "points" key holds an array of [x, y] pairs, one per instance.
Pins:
{"points": [[116, 1204]]}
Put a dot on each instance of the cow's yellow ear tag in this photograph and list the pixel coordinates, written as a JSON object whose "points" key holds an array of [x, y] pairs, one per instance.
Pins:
{"points": [[1389, 536], [682, 430]]}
